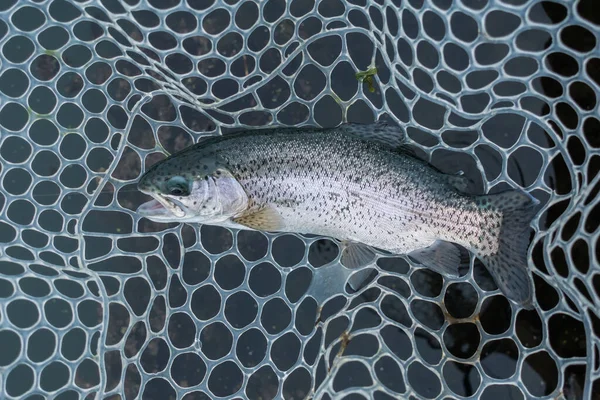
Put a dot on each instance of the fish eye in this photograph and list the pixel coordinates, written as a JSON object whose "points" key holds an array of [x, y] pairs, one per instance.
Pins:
{"points": [[178, 186]]}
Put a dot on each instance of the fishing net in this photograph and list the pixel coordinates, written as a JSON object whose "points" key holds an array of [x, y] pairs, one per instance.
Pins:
{"points": [[100, 303]]}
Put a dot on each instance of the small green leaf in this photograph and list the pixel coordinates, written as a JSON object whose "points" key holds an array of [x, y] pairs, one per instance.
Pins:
{"points": [[367, 77], [361, 75]]}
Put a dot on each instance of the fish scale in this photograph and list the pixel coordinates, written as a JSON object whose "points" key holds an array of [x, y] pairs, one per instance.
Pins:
{"points": [[344, 184]]}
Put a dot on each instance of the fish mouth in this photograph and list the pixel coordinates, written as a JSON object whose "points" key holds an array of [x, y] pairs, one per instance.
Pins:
{"points": [[153, 208], [160, 208]]}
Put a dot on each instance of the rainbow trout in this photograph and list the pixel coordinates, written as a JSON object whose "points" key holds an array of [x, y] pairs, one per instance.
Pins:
{"points": [[352, 183]]}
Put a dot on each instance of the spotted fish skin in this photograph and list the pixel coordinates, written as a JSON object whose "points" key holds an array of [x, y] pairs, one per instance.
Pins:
{"points": [[331, 183]]}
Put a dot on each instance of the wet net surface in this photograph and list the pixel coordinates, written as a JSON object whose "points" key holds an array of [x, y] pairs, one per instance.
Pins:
{"points": [[98, 303]]}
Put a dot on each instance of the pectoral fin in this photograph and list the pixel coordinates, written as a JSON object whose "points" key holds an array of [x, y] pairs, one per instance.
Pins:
{"points": [[266, 219], [442, 257]]}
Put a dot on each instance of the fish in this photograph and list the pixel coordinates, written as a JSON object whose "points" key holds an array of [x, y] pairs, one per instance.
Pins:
{"points": [[359, 184]]}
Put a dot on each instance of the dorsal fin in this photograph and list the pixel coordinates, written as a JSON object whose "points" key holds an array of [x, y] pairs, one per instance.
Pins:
{"points": [[380, 131]]}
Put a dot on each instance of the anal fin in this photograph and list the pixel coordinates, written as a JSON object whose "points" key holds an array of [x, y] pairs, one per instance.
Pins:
{"points": [[265, 219], [442, 257]]}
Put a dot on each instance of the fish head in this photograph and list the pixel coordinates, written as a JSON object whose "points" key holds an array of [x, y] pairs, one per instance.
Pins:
{"points": [[184, 189]]}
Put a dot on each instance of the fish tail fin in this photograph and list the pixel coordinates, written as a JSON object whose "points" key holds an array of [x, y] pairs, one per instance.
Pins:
{"points": [[507, 262]]}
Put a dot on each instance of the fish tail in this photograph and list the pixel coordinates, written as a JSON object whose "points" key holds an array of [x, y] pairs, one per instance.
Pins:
{"points": [[507, 259]]}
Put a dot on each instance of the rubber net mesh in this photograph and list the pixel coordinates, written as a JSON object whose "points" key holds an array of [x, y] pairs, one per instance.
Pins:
{"points": [[99, 303]]}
